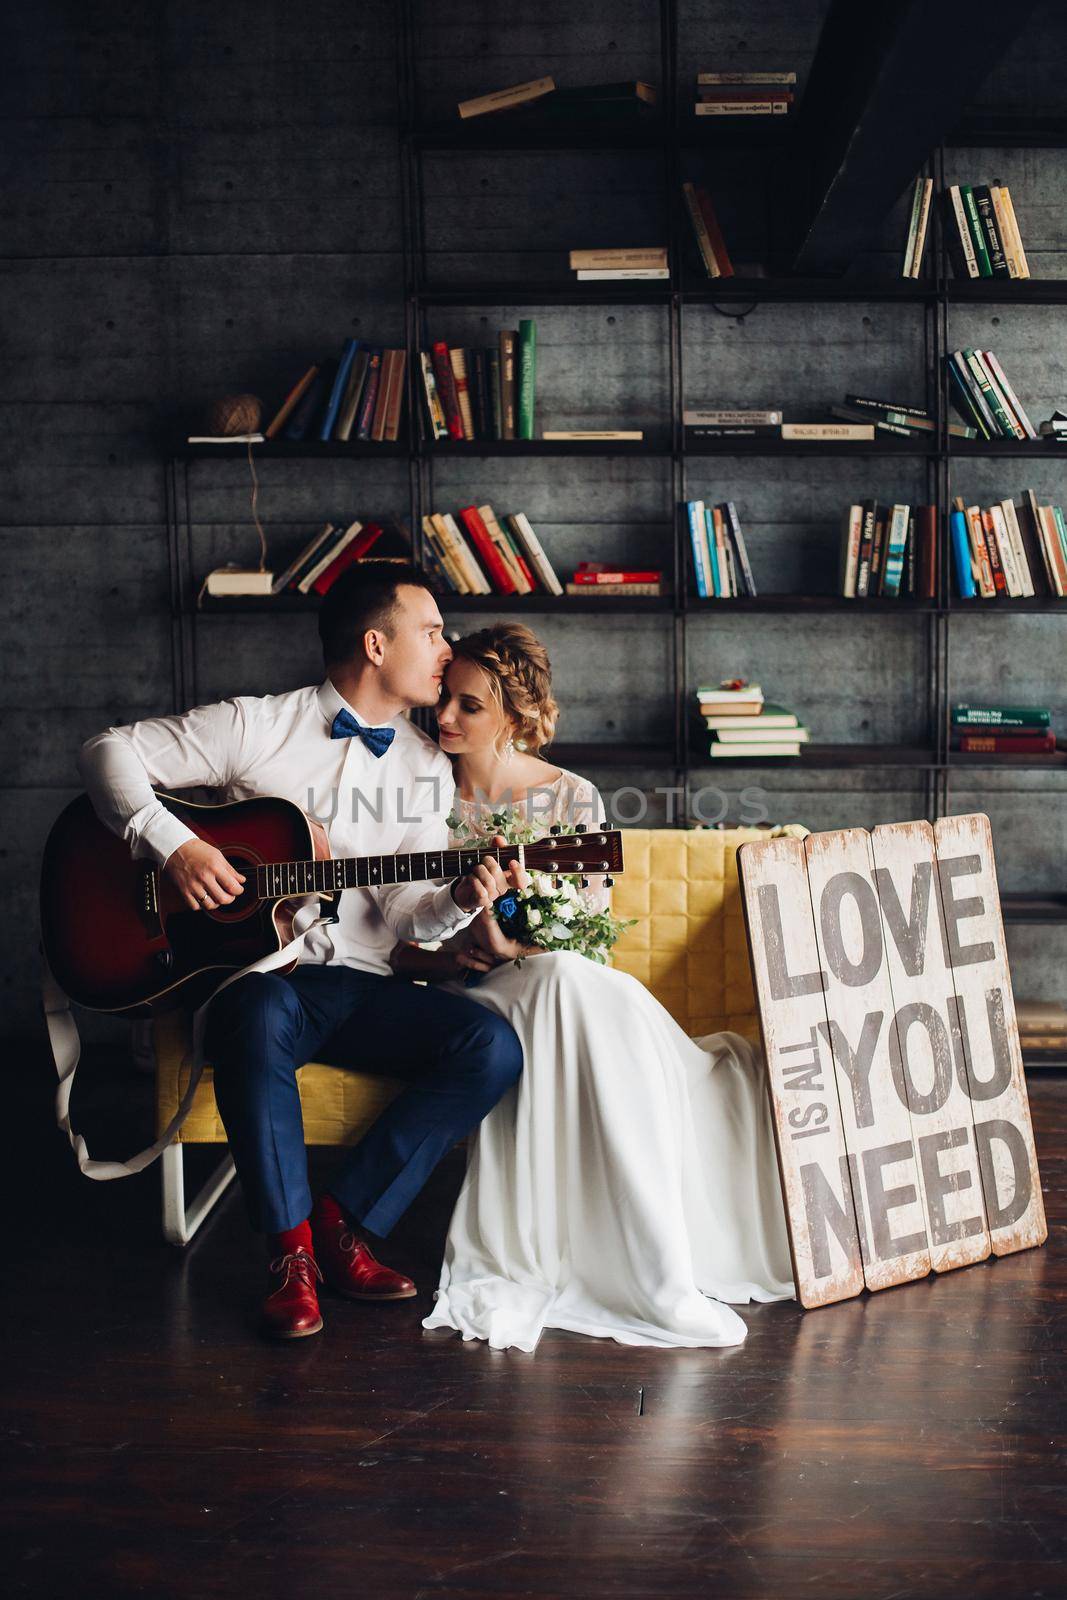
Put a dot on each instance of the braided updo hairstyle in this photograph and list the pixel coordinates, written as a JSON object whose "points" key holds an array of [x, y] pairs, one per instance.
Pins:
{"points": [[516, 664]]}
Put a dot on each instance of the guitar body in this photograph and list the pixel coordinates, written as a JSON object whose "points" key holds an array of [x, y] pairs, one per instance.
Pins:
{"points": [[118, 936]]}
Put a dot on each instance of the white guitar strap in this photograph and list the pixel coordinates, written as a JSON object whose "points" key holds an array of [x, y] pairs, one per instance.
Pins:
{"points": [[66, 1051]]}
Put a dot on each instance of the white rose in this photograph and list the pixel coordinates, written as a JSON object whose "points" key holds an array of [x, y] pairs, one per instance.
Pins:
{"points": [[542, 882], [565, 911], [533, 917]]}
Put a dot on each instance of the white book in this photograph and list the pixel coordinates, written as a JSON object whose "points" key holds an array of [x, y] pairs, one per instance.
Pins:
{"points": [[749, 752], [225, 438], [519, 524], [239, 580], [1012, 581], [919, 243], [852, 550], [612, 274], [632, 434], [333, 551], [706, 80], [853, 431], [959, 211], [741, 108], [731, 418], [913, 226], [751, 691], [462, 553], [797, 735], [1015, 534], [517, 94]]}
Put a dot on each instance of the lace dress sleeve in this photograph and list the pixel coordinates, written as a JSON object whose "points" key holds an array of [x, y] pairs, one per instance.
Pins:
{"points": [[580, 802]]}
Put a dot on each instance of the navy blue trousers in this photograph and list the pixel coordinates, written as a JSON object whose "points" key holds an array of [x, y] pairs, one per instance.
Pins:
{"points": [[458, 1058]]}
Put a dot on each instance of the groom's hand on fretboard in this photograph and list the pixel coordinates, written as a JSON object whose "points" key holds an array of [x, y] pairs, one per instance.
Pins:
{"points": [[485, 883]]}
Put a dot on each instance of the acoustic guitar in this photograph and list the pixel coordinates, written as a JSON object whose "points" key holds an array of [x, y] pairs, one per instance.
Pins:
{"points": [[119, 937]]}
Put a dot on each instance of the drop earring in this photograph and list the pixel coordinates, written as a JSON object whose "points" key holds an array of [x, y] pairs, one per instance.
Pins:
{"points": [[509, 748]]}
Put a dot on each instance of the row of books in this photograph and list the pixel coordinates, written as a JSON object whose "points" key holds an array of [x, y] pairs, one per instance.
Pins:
{"points": [[475, 552], [721, 568], [744, 94], [745, 727], [863, 419], [483, 393], [543, 96], [1008, 550], [983, 396], [888, 551], [358, 396], [982, 232], [1003, 730]]}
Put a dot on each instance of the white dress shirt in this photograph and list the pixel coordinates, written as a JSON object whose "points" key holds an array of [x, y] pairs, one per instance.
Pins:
{"points": [[280, 745]]}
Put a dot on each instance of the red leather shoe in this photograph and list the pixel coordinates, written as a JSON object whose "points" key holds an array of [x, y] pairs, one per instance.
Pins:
{"points": [[291, 1310], [350, 1268]]}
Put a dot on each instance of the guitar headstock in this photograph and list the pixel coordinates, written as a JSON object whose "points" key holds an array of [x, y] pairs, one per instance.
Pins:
{"points": [[564, 854]]}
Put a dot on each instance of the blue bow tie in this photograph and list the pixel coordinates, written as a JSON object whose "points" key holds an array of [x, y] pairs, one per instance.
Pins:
{"points": [[377, 740]]}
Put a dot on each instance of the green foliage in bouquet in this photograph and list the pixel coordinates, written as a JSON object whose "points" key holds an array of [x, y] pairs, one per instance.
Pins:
{"points": [[552, 918]]}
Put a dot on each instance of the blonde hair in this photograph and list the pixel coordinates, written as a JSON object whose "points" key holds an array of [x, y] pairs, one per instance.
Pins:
{"points": [[520, 677]]}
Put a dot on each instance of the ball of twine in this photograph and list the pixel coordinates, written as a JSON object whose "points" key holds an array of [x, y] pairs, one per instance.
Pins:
{"points": [[235, 413]]}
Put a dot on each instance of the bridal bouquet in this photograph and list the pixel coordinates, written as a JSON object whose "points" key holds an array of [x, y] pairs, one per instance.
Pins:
{"points": [[552, 918]]}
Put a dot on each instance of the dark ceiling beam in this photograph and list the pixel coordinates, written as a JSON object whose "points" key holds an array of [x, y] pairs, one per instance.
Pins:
{"points": [[889, 81]]}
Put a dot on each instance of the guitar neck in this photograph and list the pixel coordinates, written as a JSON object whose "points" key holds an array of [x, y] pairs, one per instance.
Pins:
{"points": [[280, 879]]}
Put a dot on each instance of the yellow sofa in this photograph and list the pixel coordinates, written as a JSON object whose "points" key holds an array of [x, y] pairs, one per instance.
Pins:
{"points": [[688, 946]]}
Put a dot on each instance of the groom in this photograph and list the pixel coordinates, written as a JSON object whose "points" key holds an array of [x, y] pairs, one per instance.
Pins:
{"points": [[344, 752]]}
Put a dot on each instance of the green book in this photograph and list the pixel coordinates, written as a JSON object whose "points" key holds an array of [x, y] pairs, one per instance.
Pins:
{"points": [[527, 376], [965, 716], [974, 227], [1061, 529]]}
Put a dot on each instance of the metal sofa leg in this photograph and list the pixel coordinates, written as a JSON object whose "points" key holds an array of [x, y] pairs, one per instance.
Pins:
{"points": [[179, 1222]]}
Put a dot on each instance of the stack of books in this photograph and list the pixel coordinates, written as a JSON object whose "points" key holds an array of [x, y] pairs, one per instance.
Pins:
{"points": [[598, 578], [1002, 730], [1042, 1025], [485, 393], [745, 94], [706, 231], [744, 727], [721, 567], [1009, 550], [981, 393], [888, 551], [918, 224], [731, 423], [541, 98], [475, 552], [1055, 428], [612, 266], [894, 418], [982, 232], [358, 396]]}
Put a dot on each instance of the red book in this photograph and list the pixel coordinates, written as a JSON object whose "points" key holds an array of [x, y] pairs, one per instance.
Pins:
{"points": [[926, 563], [718, 243], [1009, 743], [486, 550], [747, 91], [359, 546], [446, 388], [602, 575], [993, 547]]}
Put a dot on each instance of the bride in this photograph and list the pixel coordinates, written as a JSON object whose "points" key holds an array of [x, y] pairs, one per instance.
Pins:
{"points": [[627, 1187]]}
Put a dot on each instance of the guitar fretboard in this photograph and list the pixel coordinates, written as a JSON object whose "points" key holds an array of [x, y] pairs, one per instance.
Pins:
{"points": [[279, 879]]}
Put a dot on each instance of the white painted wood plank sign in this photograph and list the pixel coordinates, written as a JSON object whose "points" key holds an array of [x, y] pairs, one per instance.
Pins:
{"points": [[892, 1049]]}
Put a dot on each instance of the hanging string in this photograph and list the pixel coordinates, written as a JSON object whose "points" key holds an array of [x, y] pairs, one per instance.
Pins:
{"points": [[255, 513]]}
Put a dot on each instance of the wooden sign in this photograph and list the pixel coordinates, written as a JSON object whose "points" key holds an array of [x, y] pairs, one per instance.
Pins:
{"points": [[895, 1071]]}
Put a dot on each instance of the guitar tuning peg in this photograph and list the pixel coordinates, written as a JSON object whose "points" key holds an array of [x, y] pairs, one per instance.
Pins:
{"points": [[557, 883], [608, 882], [557, 827], [585, 883], [579, 827]]}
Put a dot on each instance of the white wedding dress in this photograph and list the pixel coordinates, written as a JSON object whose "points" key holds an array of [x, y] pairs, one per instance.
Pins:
{"points": [[627, 1187]]}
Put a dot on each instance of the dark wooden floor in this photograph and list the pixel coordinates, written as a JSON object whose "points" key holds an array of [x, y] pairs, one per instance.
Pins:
{"points": [[906, 1444]]}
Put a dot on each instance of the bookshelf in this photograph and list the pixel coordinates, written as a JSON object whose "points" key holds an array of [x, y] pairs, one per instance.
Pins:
{"points": [[674, 136]]}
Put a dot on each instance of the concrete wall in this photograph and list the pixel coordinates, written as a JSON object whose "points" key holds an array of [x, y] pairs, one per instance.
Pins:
{"points": [[203, 198]]}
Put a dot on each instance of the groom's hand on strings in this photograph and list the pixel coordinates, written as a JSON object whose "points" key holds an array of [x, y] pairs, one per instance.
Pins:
{"points": [[485, 883]]}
